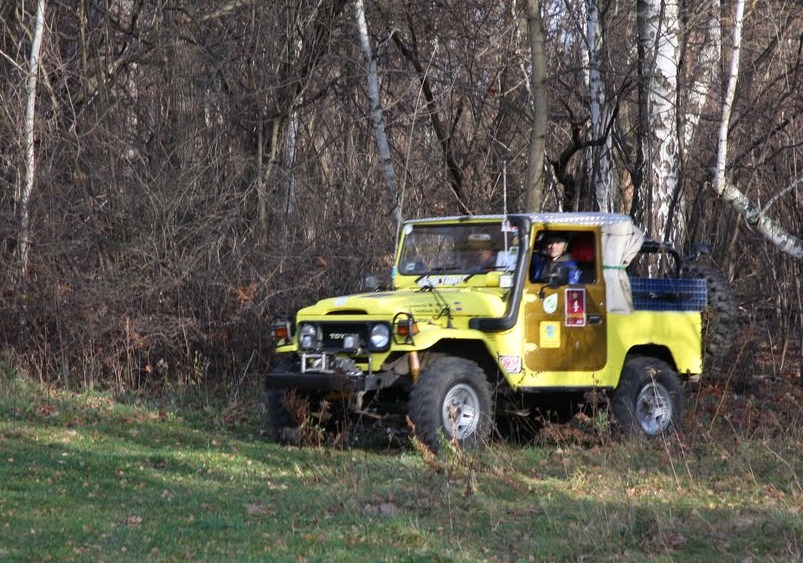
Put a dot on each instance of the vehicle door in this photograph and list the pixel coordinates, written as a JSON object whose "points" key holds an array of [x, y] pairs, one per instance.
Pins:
{"points": [[565, 325]]}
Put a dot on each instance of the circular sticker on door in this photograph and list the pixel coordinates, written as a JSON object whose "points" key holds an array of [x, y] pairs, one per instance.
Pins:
{"points": [[551, 304]]}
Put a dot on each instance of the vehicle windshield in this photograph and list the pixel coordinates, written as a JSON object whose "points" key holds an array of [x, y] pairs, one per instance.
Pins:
{"points": [[461, 248]]}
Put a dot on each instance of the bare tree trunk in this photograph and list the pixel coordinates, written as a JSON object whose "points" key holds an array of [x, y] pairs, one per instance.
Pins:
{"points": [[262, 204], [535, 159], [295, 47], [290, 166], [757, 218], [30, 160], [377, 118], [600, 154], [705, 71]]}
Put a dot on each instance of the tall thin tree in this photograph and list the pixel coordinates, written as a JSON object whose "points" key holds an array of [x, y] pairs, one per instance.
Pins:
{"points": [[601, 162], [535, 161], [30, 156], [658, 36], [377, 117]]}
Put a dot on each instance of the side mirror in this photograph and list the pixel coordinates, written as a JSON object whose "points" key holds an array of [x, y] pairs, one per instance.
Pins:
{"points": [[372, 284]]}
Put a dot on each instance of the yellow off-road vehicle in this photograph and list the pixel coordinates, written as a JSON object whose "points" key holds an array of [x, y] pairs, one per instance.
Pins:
{"points": [[469, 329]]}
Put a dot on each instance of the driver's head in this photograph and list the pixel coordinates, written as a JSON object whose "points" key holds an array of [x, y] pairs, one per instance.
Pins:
{"points": [[556, 245], [481, 246]]}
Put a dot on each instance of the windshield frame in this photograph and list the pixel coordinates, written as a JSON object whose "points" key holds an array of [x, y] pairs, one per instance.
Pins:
{"points": [[458, 248]]}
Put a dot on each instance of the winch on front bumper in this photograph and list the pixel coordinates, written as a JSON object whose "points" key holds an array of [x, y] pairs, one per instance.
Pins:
{"points": [[324, 371]]}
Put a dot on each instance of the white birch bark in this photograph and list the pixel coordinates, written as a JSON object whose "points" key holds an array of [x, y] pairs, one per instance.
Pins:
{"points": [[30, 157], [757, 218], [727, 103], [659, 30], [377, 117], [291, 142], [601, 167], [290, 164]]}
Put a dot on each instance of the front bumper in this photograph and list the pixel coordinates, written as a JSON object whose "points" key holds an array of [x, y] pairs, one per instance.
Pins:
{"points": [[317, 381], [312, 381]]}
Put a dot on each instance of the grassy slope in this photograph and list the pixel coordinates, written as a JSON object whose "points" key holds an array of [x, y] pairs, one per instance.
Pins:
{"points": [[87, 478]]}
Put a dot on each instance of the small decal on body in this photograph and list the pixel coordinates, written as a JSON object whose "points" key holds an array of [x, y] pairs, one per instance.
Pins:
{"points": [[551, 304], [511, 364], [550, 334], [427, 281]]}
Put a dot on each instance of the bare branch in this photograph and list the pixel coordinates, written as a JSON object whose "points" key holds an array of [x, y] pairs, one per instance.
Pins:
{"points": [[780, 194], [770, 229]]}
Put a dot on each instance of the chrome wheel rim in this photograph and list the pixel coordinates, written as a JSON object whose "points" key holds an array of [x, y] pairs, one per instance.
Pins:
{"points": [[461, 411], [654, 409]]}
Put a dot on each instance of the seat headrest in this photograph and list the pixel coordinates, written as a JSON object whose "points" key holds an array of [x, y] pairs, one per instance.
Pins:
{"points": [[583, 248]]}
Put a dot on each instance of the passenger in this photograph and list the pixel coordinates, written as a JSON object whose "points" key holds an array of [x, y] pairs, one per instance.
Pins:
{"points": [[484, 258]]}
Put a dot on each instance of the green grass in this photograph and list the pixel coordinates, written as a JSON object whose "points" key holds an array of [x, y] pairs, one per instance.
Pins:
{"points": [[88, 477]]}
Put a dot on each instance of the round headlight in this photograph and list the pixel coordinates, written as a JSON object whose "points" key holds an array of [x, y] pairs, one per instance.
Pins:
{"points": [[308, 337], [380, 336]]}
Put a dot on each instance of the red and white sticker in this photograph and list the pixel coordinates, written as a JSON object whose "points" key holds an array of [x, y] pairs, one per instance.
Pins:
{"points": [[511, 364], [575, 301]]}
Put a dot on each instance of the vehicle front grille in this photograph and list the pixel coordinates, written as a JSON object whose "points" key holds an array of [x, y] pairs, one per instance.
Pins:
{"points": [[334, 332]]}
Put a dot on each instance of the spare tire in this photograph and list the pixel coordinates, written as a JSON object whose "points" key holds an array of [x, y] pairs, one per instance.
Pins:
{"points": [[721, 315]]}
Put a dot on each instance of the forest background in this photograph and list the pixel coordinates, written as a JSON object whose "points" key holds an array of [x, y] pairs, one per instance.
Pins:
{"points": [[174, 173]]}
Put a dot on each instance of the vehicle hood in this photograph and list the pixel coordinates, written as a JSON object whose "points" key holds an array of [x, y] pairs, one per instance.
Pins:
{"points": [[423, 304]]}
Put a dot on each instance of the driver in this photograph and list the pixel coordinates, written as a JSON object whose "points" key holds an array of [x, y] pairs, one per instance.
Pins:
{"points": [[553, 259]]}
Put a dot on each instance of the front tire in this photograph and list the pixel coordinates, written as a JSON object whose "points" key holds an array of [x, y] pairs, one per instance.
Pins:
{"points": [[283, 425], [452, 396], [649, 399]]}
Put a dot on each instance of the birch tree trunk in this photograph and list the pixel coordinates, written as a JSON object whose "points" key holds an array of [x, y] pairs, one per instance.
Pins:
{"points": [[658, 31], [377, 118], [535, 160], [291, 140], [290, 166], [30, 157], [724, 187], [600, 163]]}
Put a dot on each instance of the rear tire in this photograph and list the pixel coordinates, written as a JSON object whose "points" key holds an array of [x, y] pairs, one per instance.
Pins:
{"points": [[452, 396], [649, 399]]}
